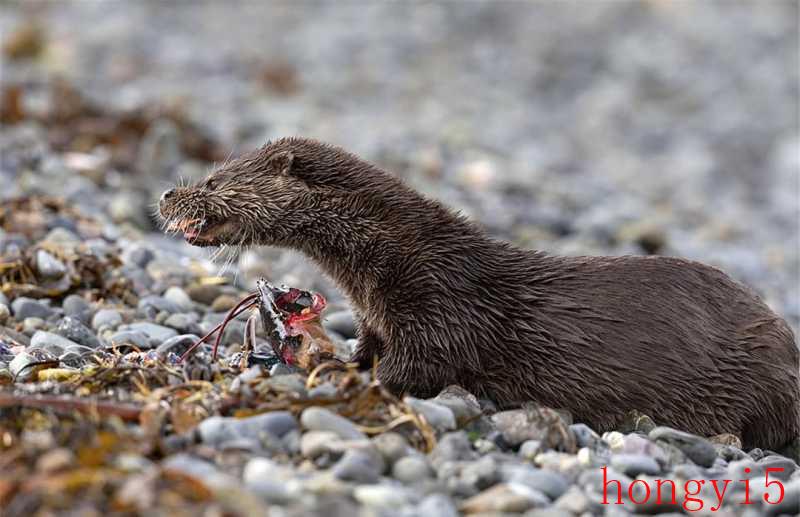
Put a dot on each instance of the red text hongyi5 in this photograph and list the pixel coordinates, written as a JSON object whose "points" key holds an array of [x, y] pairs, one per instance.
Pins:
{"points": [[665, 491]]}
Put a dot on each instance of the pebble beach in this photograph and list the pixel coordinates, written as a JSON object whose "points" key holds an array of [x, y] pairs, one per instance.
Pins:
{"points": [[600, 128]]}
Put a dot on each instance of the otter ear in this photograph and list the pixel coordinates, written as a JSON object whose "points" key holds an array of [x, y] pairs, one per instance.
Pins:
{"points": [[281, 162]]}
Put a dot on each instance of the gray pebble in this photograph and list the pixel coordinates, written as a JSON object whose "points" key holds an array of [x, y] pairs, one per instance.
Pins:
{"points": [[151, 305], [549, 483], [23, 307], [341, 322], [31, 325], [530, 448], [573, 500], [463, 404], [392, 447], [412, 469], [48, 265], [439, 417], [270, 426], [314, 444], [438, 505], [321, 419], [635, 464], [156, 334], [130, 337], [584, 435], [178, 296], [53, 343], [106, 318], [481, 474], [77, 307], [185, 323], [453, 446], [358, 466], [697, 449], [176, 345], [138, 255], [72, 329], [382, 496]]}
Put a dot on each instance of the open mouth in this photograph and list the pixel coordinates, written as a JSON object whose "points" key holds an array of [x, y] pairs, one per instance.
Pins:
{"points": [[199, 232]]}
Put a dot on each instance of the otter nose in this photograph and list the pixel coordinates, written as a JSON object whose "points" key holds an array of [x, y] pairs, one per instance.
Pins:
{"points": [[166, 195]]}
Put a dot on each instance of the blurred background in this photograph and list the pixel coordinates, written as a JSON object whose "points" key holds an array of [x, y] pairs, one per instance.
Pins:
{"points": [[665, 127]]}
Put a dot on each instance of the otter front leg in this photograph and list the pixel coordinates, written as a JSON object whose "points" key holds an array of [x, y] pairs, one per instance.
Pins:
{"points": [[412, 373], [369, 346]]}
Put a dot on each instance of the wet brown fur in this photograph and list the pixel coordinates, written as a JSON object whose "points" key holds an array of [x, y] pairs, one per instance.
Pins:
{"points": [[439, 302]]}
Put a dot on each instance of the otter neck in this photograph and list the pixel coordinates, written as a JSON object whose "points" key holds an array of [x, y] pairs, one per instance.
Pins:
{"points": [[364, 248]]}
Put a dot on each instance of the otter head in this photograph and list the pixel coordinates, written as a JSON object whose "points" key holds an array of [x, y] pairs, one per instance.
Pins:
{"points": [[272, 196], [249, 200]]}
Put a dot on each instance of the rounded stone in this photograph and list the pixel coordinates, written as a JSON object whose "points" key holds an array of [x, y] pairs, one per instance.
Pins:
{"points": [[176, 345], [130, 337], [412, 469], [29, 308], [635, 464], [321, 419], [439, 417], [53, 343], [72, 329], [697, 449], [106, 318], [179, 297], [358, 466]]}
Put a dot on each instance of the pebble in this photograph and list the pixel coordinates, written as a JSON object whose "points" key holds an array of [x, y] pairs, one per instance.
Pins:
{"points": [[574, 501], [697, 449], [77, 307], [217, 430], [185, 323], [321, 419], [53, 343], [224, 303], [438, 505], [584, 435], [382, 496], [454, 446], [152, 305], [25, 366], [412, 469], [29, 308], [5, 313], [635, 464], [176, 345], [530, 449], [48, 266], [204, 293], [179, 298], [549, 483], [544, 424], [106, 319], [341, 322], [314, 444], [31, 325], [358, 466], [138, 255], [510, 498], [439, 417], [72, 329], [156, 334], [130, 337], [463, 404], [392, 447]]}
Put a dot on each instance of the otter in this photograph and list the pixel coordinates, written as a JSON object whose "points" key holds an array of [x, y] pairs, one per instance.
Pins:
{"points": [[438, 301]]}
